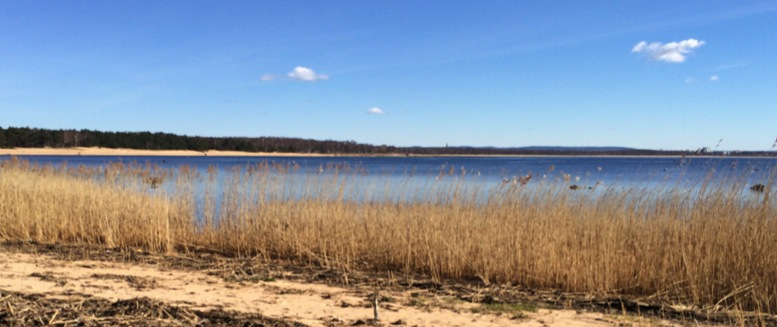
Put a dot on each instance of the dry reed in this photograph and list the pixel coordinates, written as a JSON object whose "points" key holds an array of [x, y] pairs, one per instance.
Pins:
{"points": [[712, 248]]}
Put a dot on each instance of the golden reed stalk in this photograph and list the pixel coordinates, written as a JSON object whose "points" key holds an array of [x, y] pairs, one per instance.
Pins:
{"points": [[699, 248]]}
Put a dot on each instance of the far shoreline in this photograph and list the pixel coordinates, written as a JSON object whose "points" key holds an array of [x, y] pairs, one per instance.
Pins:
{"points": [[99, 151]]}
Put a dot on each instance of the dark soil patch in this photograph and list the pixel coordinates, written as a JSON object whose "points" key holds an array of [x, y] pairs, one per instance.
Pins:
{"points": [[49, 277], [139, 283]]}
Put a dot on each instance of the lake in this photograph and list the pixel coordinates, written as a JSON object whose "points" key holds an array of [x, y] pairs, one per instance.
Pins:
{"points": [[631, 172], [220, 180]]}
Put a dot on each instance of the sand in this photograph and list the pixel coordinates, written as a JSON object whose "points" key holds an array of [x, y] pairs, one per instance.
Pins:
{"points": [[94, 151], [298, 302]]}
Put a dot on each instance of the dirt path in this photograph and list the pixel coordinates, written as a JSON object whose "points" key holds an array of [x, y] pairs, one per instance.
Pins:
{"points": [[309, 304]]}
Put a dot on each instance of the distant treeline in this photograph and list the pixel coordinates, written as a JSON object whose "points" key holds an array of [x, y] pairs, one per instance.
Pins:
{"points": [[25, 137]]}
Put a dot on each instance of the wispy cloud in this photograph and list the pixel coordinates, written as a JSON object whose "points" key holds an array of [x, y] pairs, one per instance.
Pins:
{"points": [[730, 66], [690, 80], [375, 111], [302, 74], [674, 52], [269, 77], [714, 78]]}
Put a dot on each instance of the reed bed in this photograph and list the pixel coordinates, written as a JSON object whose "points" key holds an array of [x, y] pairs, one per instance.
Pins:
{"points": [[713, 247], [87, 206]]}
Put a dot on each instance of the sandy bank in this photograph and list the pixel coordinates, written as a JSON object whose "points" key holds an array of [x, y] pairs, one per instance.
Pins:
{"points": [[95, 151], [310, 304], [133, 152]]}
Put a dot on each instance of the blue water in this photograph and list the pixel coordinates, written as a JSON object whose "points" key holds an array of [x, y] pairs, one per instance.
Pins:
{"points": [[639, 172], [408, 179]]}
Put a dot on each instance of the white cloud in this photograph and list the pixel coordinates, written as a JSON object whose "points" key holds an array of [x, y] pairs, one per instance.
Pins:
{"points": [[302, 74], [306, 75], [690, 80], [674, 52], [714, 78], [269, 77], [375, 111], [737, 64]]}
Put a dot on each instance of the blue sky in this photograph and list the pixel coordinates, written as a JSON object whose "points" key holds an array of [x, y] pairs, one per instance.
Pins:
{"points": [[645, 74]]}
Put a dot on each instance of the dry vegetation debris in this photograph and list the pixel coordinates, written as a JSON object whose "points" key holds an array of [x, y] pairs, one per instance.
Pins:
{"points": [[38, 310], [424, 293]]}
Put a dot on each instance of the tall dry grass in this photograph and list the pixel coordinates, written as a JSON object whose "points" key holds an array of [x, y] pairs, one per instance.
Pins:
{"points": [[712, 247], [87, 206]]}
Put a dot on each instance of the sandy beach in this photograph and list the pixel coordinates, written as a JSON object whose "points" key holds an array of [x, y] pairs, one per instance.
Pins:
{"points": [[93, 151], [96, 151], [50, 277]]}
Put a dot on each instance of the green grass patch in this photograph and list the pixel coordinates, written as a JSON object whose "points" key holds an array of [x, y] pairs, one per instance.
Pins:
{"points": [[514, 309]]}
